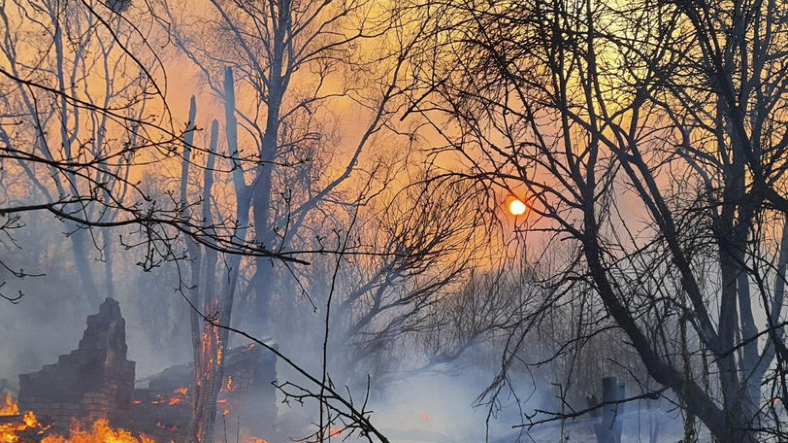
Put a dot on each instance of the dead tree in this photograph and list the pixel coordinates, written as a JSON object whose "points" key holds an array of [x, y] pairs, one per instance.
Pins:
{"points": [[287, 56], [76, 120], [424, 251], [64, 141], [285, 140]]}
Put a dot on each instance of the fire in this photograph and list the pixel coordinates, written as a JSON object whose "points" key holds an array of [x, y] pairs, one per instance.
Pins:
{"points": [[229, 386], [99, 432], [10, 431], [210, 346], [425, 416], [225, 405], [178, 397], [24, 428], [10, 407]]}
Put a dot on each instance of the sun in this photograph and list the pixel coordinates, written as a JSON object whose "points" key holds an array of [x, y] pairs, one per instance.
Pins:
{"points": [[517, 207]]}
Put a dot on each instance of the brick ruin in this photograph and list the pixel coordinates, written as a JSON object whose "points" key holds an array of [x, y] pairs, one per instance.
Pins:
{"points": [[94, 381], [97, 381]]}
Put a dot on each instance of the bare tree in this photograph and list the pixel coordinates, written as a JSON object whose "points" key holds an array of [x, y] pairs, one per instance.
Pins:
{"points": [[57, 135], [593, 113], [293, 61], [78, 116], [80, 148], [424, 250], [278, 67]]}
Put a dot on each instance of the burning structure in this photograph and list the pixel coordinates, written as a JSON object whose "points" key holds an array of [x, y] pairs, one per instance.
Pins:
{"points": [[163, 409], [95, 384]]}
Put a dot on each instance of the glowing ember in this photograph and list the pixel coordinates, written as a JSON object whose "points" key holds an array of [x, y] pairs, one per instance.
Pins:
{"points": [[179, 396], [229, 386], [164, 427]]}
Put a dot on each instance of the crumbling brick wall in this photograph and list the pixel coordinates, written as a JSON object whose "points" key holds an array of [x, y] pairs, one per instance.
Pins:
{"points": [[94, 381], [97, 381]]}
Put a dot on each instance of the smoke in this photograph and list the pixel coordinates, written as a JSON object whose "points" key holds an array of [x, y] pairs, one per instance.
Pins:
{"points": [[50, 317], [430, 407], [440, 408]]}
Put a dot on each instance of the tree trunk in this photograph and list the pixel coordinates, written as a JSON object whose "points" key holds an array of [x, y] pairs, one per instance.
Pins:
{"points": [[82, 263]]}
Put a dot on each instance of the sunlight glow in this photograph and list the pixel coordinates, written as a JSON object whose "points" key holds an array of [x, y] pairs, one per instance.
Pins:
{"points": [[517, 207]]}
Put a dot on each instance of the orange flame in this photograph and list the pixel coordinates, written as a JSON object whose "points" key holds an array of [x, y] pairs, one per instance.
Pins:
{"points": [[10, 407], [23, 429], [99, 432], [229, 386], [179, 395]]}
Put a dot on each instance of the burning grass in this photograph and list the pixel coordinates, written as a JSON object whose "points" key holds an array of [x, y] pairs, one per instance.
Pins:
{"points": [[25, 428], [16, 427]]}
